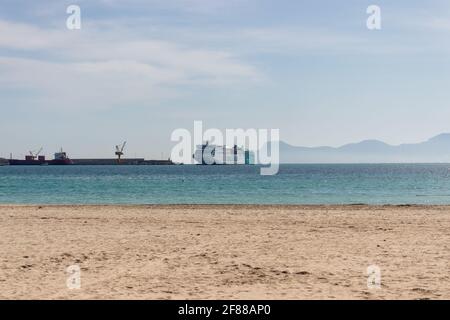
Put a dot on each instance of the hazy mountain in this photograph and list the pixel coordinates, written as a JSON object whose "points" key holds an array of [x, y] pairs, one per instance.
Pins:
{"points": [[436, 149]]}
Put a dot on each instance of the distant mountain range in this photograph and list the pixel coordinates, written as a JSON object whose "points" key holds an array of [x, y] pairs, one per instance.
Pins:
{"points": [[436, 149]]}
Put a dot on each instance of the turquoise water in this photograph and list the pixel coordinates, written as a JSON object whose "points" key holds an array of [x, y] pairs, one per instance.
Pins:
{"points": [[294, 184]]}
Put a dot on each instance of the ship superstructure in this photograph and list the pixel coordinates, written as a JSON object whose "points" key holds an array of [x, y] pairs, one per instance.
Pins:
{"points": [[210, 154]]}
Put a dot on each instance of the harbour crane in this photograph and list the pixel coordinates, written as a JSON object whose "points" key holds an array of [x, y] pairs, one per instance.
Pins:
{"points": [[119, 151], [35, 154]]}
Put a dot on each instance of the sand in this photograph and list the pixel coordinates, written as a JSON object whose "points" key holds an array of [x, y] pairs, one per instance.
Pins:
{"points": [[224, 252]]}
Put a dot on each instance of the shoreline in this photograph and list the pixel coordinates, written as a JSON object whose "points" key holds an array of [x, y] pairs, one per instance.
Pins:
{"points": [[224, 251], [221, 205]]}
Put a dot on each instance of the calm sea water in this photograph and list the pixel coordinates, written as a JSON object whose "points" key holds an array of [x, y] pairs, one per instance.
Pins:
{"points": [[294, 184]]}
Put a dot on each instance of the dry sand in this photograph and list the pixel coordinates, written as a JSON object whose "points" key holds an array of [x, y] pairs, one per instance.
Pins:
{"points": [[224, 252]]}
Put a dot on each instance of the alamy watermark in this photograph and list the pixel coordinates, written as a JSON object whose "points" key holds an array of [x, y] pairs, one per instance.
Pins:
{"points": [[73, 22], [237, 146], [374, 20], [373, 277], [73, 281]]}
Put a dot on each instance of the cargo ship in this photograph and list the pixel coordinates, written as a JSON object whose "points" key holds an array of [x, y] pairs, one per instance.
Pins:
{"points": [[32, 160]]}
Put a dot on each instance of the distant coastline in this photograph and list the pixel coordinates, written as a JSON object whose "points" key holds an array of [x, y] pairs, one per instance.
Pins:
{"points": [[434, 150]]}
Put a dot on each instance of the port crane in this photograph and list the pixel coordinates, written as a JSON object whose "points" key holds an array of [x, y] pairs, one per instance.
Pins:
{"points": [[35, 154], [119, 151]]}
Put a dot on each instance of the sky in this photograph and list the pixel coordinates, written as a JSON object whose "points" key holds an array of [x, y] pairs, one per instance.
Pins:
{"points": [[137, 70]]}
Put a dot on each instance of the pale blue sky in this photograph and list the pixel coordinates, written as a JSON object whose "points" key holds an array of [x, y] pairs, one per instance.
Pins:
{"points": [[139, 69]]}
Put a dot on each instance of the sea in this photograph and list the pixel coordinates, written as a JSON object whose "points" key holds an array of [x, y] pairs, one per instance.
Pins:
{"points": [[240, 184]]}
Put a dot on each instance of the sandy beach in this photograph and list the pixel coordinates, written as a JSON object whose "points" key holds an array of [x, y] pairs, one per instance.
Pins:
{"points": [[224, 252]]}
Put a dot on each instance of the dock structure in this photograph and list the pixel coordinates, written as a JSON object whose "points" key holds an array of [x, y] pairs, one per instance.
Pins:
{"points": [[125, 161]]}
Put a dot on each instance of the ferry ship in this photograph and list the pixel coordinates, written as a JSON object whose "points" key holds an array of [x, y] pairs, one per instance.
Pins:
{"points": [[210, 154]]}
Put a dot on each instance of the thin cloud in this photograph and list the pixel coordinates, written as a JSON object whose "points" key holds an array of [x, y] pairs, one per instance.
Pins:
{"points": [[105, 69]]}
